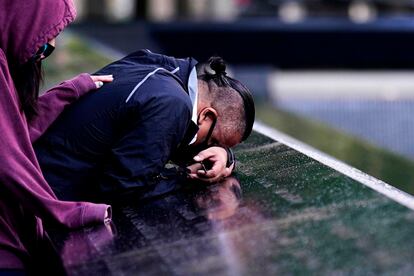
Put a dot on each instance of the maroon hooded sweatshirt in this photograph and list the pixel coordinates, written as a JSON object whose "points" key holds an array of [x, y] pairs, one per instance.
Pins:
{"points": [[25, 196]]}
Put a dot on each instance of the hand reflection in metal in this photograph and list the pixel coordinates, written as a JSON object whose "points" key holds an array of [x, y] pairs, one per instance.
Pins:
{"points": [[221, 204], [221, 200]]}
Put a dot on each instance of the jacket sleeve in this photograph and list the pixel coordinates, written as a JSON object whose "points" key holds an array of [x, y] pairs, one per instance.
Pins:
{"points": [[20, 175], [141, 154], [53, 102]]}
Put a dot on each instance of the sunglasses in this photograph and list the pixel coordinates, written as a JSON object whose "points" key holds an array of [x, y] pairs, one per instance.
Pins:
{"points": [[43, 52]]}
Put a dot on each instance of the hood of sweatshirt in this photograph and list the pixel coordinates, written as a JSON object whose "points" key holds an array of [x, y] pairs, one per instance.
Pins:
{"points": [[25, 25]]}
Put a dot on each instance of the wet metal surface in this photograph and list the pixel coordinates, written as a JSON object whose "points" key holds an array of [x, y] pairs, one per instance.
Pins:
{"points": [[295, 216], [380, 163]]}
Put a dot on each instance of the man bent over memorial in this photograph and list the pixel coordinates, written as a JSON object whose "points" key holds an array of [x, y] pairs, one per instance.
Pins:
{"points": [[158, 108]]}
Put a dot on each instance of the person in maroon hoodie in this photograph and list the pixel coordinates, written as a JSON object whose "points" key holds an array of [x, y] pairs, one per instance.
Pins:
{"points": [[26, 27]]}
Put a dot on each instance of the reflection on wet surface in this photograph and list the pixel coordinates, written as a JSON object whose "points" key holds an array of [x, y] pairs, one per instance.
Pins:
{"points": [[221, 200], [159, 226], [283, 213]]}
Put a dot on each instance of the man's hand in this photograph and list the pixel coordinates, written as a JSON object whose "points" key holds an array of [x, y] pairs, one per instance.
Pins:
{"points": [[216, 156]]}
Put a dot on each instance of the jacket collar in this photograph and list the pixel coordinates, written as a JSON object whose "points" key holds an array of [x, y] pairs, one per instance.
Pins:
{"points": [[193, 93]]}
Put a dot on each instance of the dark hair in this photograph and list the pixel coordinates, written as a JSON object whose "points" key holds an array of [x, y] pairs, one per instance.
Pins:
{"points": [[221, 80], [27, 78]]}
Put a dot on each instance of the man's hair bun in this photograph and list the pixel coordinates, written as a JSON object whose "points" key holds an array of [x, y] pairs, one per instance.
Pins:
{"points": [[218, 65], [223, 82]]}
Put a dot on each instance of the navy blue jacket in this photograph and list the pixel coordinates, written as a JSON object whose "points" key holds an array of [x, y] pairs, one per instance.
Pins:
{"points": [[120, 137]]}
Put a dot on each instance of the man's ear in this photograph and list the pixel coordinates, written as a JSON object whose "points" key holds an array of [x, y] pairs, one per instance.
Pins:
{"points": [[207, 114]]}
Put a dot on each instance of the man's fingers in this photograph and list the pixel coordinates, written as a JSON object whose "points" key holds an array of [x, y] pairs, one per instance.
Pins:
{"points": [[192, 175], [227, 172], [195, 167], [216, 170], [213, 173], [217, 157], [209, 174], [202, 155]]}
